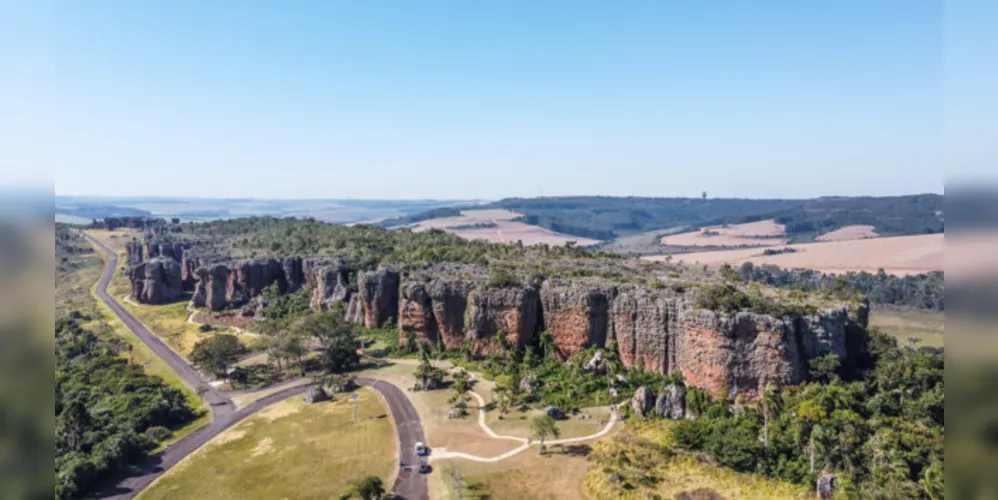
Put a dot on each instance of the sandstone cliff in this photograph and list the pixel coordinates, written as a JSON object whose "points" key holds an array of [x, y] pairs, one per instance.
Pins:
{"points": [[577, 315], [155, 281], [133, 252], [379, 297], [513, 310]]}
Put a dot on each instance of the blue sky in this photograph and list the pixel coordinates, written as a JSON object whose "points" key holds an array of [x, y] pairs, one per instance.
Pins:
{"points": [[479, 100]]}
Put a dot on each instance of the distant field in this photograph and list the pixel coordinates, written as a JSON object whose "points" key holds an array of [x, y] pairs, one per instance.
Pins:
{"points": [[927, 327], [848, 233], [900, 255], [760, 233], [505, 231]]}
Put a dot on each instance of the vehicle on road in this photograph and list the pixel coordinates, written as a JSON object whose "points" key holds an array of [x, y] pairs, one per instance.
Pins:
{"points": [[424, 466], [421, 448]]}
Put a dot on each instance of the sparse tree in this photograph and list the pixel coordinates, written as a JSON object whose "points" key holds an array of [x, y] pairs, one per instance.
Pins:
{"points": [[216, 354], [543, 426]]}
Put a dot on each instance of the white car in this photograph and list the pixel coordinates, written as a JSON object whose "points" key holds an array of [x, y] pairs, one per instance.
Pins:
{"points": [[420, 448]]}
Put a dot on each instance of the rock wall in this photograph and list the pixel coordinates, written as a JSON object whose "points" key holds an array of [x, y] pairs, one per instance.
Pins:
{"points": [[577, 316], [379, 297], [329, 282], [514, 311], [155, 281]]}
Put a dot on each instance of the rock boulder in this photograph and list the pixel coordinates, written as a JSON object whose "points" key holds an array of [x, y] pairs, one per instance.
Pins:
{"points": [[643, 401], [156, 281]]}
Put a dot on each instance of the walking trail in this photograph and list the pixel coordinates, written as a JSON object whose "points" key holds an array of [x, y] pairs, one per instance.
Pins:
{"points": [[527, 443]]}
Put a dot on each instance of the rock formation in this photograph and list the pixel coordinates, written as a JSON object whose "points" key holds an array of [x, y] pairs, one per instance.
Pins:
{"points": [[315, 394], [217, 277], [513, 310], [643, 401], [155, 281], [354, 315], [133, 252], [577, 316], [329, 282], [379, 297], [671, 402]]}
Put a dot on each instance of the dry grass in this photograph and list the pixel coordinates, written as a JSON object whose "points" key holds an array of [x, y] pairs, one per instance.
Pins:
{"points": [[926, 327], [557, 475], [506, 230], [292, 450], [517, 423], [647, 444], [849, 233], [760, 233], [900, 255]]}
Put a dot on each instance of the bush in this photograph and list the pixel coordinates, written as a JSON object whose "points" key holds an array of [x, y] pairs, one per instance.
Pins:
{"points": [[158, 433], [502, 278]]}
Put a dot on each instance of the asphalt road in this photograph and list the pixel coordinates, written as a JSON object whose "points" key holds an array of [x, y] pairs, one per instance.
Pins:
{"points": [[409, 484]]}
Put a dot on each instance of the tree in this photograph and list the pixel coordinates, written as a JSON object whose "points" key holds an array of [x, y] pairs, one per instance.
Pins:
{"points": [[547, 344], [73, 423], [340, 354], [503, 398], [369, 488], [770, 404], [290, 345], [216, 354], [543, 426], [461, 386]]}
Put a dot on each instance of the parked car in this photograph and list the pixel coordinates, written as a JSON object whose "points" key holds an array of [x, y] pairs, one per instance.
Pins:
{"points": [[420, 449], [424, 466]]}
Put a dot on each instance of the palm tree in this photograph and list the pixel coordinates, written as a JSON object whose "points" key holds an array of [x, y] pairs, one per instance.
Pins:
{"points": [[770, 404], [931, 482], [543, 426]]}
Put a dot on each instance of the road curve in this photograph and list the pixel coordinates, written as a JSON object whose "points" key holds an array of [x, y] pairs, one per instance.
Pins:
{"points": [[409, 484]]}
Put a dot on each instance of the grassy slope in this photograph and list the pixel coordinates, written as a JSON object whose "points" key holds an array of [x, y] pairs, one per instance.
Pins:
{"points": [[290, 450], [925, 326], [644, 441]]}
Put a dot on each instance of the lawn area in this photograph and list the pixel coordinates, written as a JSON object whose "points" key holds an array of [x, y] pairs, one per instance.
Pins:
{"points": [[556, 475], [648, 447], [902, 323], [290, 450], [518, 423]]}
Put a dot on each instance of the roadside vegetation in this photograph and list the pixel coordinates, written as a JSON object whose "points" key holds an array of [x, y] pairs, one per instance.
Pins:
{"points": [[109, 411]]}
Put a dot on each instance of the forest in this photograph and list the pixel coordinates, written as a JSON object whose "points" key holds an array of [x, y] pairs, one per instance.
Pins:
{"points": [[606, 218], [922, 291]]}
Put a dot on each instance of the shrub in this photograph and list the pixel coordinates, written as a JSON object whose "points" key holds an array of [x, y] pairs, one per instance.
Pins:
{"points": [[158, 433]]}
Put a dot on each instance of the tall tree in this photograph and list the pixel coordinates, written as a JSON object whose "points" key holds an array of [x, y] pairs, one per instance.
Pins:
{"points": [[215, 354]]}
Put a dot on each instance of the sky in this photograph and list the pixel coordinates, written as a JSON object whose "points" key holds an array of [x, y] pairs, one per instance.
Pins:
{"points": [[484, 100]]}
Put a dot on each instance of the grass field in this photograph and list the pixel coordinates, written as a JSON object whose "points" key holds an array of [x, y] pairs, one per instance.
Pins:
{"points": [[759, 233], [647, 444], [290, 450], [557, 475], [927, 327]]}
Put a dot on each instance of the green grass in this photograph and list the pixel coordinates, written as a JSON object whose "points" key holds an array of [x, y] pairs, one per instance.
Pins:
{"points": [[290, 450], [927, 327]]}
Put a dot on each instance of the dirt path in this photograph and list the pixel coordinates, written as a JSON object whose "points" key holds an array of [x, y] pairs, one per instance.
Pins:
{"points": [[526, 442]]}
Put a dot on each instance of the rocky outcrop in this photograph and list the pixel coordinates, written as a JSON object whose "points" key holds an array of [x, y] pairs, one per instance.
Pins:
{"points": [[354, 315], [200, 297], [217, 277], [379, 297], [513, 310], [646, 328], [155, 281], [133, 252], [671, 402], [248, 278], [826, 485], [171, 250], [643, 401], [294, 274], [434, 310], [577, 315], [315, 394], [329, 281]]}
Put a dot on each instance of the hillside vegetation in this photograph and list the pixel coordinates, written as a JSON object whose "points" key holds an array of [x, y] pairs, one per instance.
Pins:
{"points": [[606, 218]]}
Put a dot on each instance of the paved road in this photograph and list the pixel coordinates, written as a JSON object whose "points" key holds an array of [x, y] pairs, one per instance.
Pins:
{"points": [[410, 484]]}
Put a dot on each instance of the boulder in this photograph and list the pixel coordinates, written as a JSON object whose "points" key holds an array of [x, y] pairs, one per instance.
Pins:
{"points": [[671, 402], [529, 384], [315, 395], [554, 413], [595, 362], [643, 401], [826, 485]]}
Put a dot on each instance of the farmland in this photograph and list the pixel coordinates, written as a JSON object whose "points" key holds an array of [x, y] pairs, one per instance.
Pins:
{"points": [[498, 226], [899, 255]]}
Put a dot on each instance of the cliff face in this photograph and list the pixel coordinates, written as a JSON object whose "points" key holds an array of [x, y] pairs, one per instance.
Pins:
{"points": [[379, 297], [330, 283], [133, 252], [514, 311], [577, 315], [155, 281]]}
